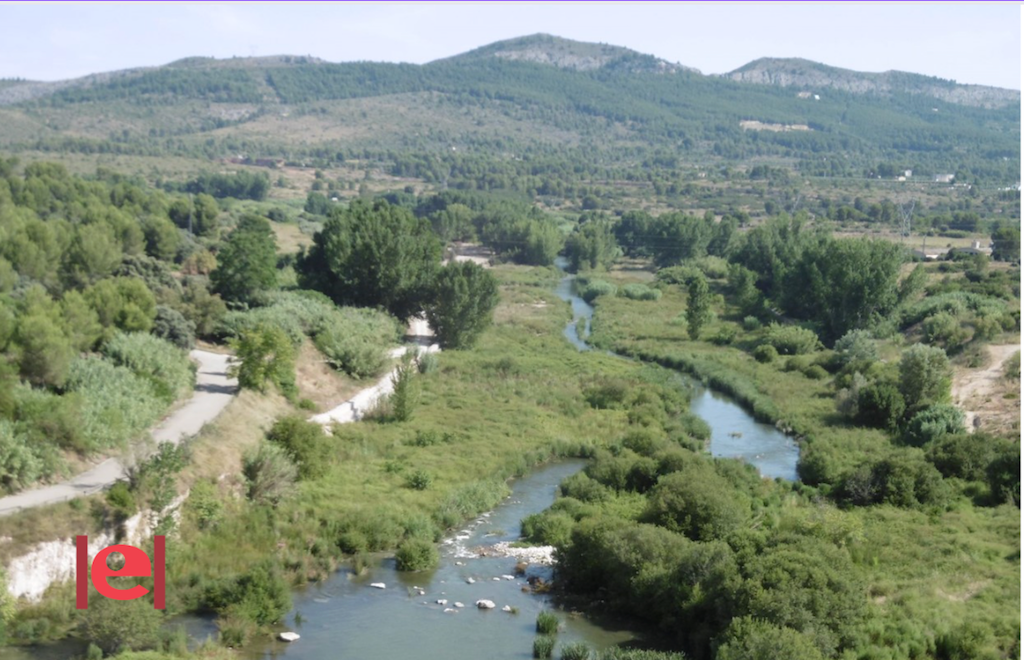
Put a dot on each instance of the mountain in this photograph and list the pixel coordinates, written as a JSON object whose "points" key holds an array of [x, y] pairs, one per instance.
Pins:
{"points": [[812, 76], [569, 54], [509, 105]]}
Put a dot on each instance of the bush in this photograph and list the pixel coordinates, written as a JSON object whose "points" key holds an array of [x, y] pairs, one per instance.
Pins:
{"points": [[751, 323], [943, 329], [543, 646], [925, 376], [121, 499], [765, 353], [416, 555], [724, 337], [20, 462], [203, 506], [547, 623], [856, 346], [419, 480], [816, 372], [697, 502], [932, 423], [427, 363], [306, 444], [122, 625], [881, 405], [261, 595], [548, 528], [116, 405], [1011, 369], [166, 366], [597, 288], [269, 473], [171, 326], [575, 651], [791, 339], [640, 292]]}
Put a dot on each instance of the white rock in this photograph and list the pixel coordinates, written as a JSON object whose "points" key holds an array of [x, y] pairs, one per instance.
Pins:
{"points": [[442, 601], [507, 608], [470, 580], [485, 604], [458, 604], [460, 563], [288, 636], [448, 610], [508, 577], [378, 585], [496, 579]]}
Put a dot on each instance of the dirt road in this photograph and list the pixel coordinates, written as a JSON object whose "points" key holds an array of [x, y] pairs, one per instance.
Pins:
{"points": [[976, 391], [213, 392]]}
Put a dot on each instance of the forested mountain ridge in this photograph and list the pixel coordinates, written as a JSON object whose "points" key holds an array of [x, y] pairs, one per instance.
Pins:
{"points": [[796, 72], [513, 104]]}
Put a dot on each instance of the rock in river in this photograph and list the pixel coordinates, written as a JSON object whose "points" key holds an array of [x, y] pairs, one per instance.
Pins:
{"points": [[485, 604], [378, 585], [288, 636]]}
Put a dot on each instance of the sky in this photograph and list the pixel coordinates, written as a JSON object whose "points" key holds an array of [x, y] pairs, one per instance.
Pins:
{"points": [[969, 42]]}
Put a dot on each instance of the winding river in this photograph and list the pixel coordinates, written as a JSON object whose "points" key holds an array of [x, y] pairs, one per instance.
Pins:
{"points": [[345, 617]]}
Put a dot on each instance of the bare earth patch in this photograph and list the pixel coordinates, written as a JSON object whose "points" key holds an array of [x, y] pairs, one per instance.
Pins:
{"points": [[980, 392]]}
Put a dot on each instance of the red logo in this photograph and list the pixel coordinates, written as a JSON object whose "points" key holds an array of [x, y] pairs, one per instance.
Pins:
{"points": [[136, 564]]}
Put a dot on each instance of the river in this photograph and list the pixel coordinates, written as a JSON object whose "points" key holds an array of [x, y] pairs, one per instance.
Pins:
{"points": [[345, 617]]}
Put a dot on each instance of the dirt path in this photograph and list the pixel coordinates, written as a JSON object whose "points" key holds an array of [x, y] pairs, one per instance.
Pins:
{"points": [[421, 339], [214, 390], [978, 391]]}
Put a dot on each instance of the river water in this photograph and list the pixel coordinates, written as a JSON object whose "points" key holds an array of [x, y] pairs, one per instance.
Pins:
{"points": [[345, 617]]}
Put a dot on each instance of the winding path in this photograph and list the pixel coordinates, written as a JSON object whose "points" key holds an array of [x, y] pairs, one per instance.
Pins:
{"points": [[213, 391], [974, 387]]}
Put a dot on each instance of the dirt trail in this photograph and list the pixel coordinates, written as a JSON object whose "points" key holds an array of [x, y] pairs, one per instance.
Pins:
{"points": [[978, 391], [214, 390]]}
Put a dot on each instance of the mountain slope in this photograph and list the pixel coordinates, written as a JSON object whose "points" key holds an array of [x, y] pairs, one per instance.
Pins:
{"points": [[813, 76]]}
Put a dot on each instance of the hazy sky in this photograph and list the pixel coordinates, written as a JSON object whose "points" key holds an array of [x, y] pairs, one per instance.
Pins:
{"points": [[969, 42]]}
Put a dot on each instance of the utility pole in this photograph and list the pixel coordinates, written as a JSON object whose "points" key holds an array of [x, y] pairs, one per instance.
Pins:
{"points": [[906, 224]]}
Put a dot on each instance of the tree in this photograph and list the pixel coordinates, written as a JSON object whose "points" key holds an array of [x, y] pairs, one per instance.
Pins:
{"points": [[454, 223], [881, 405], [1006, 243], [306, 444], [94, 253], [925, 376], [698, 305], [373, 255], [591, 245], [755, 639], [117, 625], [264, 355], [461, 304], [403, 392], [247, 263], [162, 238], [934, 422]]}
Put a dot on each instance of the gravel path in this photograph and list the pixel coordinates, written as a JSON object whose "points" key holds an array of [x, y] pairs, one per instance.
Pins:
{"points": [[212, 394]]}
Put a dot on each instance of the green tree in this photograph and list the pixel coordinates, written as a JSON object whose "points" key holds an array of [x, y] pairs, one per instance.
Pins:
{"points": [[269, 473], [306, 444], [591, 245], [264, 355], [748, 638], [925, 376], [162, 238], [247, 263], [698, 305], [118, 625], [453, 223], [1006, 243], [373, 255], [94, 253], [461, 304], [403, 393]]}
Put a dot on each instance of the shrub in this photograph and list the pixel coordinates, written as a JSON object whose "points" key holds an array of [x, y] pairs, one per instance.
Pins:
{"points": [[748, 638], [697, 502], [427, 363], [120, 498], [306, 444], [116, 405], [20, 464], [122, 625], [543, 646], [925, 375], [156, 360], [881, 405], [548, 528], [932, 423], [269, 473], [202, 505], [419, 480], [816, 372], [640, 292], [798, 363], [416, 555], [943, 329], [725, 336], [575, 651], [171, 326], [547, 623], [751, 323], [597, 288], [1011, 369], [765, 353], [856, 346], [791, 339], [260, 595], [264, 357]]}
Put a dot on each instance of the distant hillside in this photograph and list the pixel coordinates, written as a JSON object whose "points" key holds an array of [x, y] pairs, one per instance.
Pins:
{"points": [[813, 76], [505, 107], [569, 54]]}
